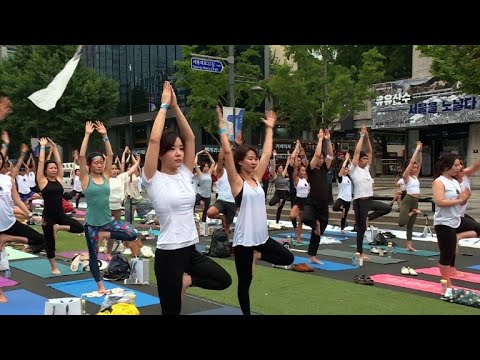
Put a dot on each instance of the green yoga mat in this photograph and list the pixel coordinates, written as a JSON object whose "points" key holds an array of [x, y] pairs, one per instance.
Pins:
{"points": [[404, 251], [41, 267], [348, 255], [136, 218], [14, 254]]}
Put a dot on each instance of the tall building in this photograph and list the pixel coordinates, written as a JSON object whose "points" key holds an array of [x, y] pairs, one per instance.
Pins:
{"points": [[141, 71]]}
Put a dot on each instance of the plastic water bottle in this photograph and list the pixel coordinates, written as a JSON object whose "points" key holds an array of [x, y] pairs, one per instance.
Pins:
{"points": [[7, 274], [131, 298], [389, 249], [285, 267], [84, 307], [443, 287]]}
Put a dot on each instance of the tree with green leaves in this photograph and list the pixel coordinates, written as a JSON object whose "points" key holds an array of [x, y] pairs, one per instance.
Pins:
{"points": [[454, 63], [205, 90], [321, 92], [88, 96]]}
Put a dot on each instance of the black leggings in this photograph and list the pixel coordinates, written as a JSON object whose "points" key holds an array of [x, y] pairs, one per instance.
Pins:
{"points": [[280, 196], [62, 219], [170, 265], [272, 252], [206, 202], [313, 211], [339, 205], [447, 244], [22, 230]]}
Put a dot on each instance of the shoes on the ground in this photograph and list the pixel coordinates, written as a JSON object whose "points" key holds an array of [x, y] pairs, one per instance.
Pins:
{"points": [[405, 270], [363, 280], [412, 271], [374, 250]]}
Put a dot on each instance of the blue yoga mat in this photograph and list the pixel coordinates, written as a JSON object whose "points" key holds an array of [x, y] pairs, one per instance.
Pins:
{"points": [[474, 267], [79, 287], [294, 236], [155, 232], [200, 247], [404, 251], [327, 265], [23, 302], [226, 310], [41, 267]]}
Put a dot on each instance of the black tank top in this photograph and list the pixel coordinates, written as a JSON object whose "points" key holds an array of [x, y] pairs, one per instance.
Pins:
{"points": [[52, 199]]}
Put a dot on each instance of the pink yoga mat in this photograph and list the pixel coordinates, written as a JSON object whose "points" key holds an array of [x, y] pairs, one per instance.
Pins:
{"points": [[71, 254], [470, 277], [410, 283], [4, 282], [80, 212]]}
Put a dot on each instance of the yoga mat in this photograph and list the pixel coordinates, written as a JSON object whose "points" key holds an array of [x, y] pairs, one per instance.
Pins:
{"points": [[339, 233], [404, 251], [4, 282], [371, 258], [79, 287], [226, 310], [411, 283], [306, 237], [14, 254], [23, 302], [282, 240], [200, 247], [469, 277], [474, 267], [327, 265], [294, 235], [71, 254], [80, 212], [41, 267]]}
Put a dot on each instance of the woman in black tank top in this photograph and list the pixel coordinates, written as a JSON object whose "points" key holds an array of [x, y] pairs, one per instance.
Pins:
{"points": [[50, 183]]}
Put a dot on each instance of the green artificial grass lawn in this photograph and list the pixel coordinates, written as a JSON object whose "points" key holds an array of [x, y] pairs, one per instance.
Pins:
{"points": [[282, 292]]}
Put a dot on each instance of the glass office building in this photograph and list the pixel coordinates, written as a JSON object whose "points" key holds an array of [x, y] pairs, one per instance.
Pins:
{"points": [[141, 71]]}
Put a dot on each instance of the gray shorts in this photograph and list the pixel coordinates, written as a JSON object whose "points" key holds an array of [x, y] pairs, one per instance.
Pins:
{"points": [[226, 208]]}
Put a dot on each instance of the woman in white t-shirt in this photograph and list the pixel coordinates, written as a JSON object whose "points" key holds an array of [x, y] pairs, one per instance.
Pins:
{"points": [[251, 239], [167, 177], [344, 198], [448, 199]]}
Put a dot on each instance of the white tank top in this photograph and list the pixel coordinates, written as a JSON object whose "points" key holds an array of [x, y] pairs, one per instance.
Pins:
{"points": [[450, 215], [251, 227], [303, 188], [345, 189], [7, 218], [465, 184], [413, 185], [223, 188]]}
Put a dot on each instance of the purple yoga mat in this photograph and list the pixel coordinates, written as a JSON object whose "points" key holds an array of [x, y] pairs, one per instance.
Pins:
{"points": [[71, 254], [4, 282]]}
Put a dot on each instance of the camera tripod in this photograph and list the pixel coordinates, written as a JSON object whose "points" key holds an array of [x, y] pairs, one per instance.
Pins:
{"points": [[426, 230]]}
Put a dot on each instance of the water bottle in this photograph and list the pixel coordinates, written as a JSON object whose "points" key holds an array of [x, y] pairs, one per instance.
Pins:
{"points": [[443, 287], [131, 298], [285, 267], [389, 249], [84, 307], [7, 274], [289, 239]]}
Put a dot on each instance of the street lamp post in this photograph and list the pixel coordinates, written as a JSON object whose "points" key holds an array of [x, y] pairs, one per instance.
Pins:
{"points": [[132, 217], [231, 83]]}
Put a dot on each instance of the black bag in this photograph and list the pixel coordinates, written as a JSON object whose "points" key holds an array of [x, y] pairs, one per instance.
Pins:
{"points": [[220, 244], [118, 268]]}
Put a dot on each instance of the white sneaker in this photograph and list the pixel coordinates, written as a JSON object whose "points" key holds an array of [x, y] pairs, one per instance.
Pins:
{"points": [[146, 251], [412, 271], [405, 271]]}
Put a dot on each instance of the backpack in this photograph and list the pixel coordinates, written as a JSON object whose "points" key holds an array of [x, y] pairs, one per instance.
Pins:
{"points": [[464, 297], [118, 268], [220, 244]]}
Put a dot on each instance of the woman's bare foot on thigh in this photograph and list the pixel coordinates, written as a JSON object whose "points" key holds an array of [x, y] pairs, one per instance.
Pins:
{"points": [[55, 230], [256, 256], [414, 211], [314, 260], [186, 283]]}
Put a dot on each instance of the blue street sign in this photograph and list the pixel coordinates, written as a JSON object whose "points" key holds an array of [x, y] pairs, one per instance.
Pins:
{"points": [[215, 66]]}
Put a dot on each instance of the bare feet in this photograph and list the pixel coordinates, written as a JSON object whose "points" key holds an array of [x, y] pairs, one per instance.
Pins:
{"points": [[414, 211], [364, 257], [56, 271], [299, 241], [100, 288], [186, 283], [256, 256], [409, 248], [314, 260], [343, 231], [3, 298]]}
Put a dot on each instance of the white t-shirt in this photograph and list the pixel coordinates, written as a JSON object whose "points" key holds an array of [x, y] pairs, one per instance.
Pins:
{"points": [[362, 181], [465, 184], [117, 191], [173, 199], [77, 184], [401, 184], [413, 186], [7, 218], [448, 215], [31, 179], [23, 187], [345, 189]]}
